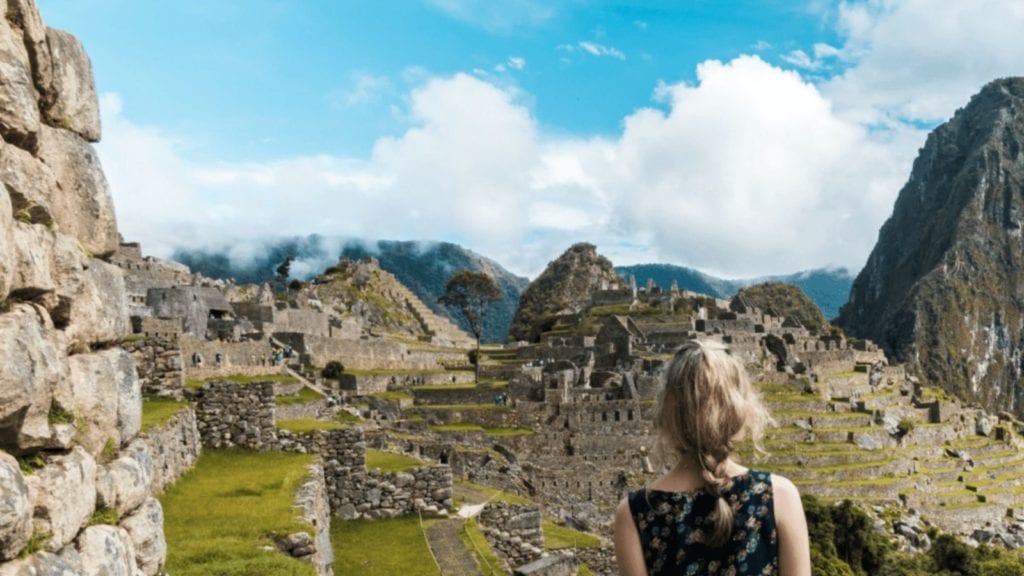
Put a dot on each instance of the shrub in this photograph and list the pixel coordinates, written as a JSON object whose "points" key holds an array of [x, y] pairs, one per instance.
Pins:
{"points": [[333, 370]]}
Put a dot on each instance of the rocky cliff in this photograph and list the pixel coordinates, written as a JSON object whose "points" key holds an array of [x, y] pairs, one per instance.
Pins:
{"points": [[943, 288], [75, 478], [565, 286]]}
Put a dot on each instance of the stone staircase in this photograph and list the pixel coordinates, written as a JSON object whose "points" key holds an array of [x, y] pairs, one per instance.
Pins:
{"points": [[443, 330], [449, 550]]}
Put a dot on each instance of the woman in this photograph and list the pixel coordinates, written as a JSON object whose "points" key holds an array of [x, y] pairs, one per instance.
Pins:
{"points": [[709, 515]]}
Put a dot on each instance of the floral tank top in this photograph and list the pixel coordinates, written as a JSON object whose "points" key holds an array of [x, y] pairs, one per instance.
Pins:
{"points": [[672, 527]]}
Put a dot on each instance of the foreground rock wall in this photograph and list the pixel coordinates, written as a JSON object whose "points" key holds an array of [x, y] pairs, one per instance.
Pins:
{"points": [[159, 363], [75, 479], [174, 448]]}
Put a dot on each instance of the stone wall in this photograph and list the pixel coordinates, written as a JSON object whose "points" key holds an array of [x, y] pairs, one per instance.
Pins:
{"points": [[355, 492], [243, 415], [159, 364], [363, 384], [313, 505], [251, 356], [307, 410], [174, 448], [513, 531], [357, 354]]}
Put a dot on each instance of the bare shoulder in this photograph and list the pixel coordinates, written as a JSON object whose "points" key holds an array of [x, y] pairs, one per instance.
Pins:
{"points": [[787, 498], [622, 512], [784, 487]]}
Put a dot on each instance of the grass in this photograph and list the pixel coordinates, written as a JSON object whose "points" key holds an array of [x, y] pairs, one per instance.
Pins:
{"points": [[304, 396], [158, 411], [306, 425], [558, 537], [493, 494], [195, 384], [219, 516], [391, 461], [497, 432], [381, 548], [477, 545], [487, 406], [384, 372]]}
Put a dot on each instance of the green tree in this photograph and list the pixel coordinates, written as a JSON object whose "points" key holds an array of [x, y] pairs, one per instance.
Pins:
{"points": [[470, 292]]}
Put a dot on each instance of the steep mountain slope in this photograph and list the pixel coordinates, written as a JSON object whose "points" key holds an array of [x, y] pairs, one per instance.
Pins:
{"points": [[424, 267], [829, 288], [944, 286], [565, 285]]}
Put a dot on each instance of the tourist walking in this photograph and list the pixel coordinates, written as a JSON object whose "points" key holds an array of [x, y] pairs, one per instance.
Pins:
{"points": [[708, 514]]}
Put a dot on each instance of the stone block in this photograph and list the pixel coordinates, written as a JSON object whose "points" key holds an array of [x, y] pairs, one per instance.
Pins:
{"points": [[83, 208], [106, 397], [31, 184], [45, 564], [33, 365], [69, 100], [132, 476], [19, 113], [145, 527], [106, 550], [15, 509], [63, 496]]}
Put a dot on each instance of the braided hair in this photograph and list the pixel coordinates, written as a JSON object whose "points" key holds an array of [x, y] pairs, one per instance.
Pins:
{"points": [[705, 407]]}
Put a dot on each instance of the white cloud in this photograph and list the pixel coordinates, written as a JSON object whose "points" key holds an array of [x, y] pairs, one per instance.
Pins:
{"points": [[748, 172], [601, 50], [365, 88], [921, 59], [517, 62], [800, 59]]}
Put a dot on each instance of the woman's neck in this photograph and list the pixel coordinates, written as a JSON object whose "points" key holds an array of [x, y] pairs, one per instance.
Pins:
{"points": [[687, 475]]}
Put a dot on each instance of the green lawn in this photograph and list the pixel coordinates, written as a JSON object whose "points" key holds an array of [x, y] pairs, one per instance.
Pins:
{"points": [[157, 411], [304, 395], [469, 427], [492, 494], [304, 425], [195, 384], [218, 516], [557, 537], [381, 548], [391, 462], [476, 543]]}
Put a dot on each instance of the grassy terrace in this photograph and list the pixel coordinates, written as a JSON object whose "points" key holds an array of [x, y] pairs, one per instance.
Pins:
{"points": [[219, 515], [558, 537], [492, 494], [491, 383], [381, 548], [391, 461], [469, 427], [158, 411], [474, 541], [306, 425], [392, 395], [195, 384], [304, 395], [486, 406], [403, 372]]}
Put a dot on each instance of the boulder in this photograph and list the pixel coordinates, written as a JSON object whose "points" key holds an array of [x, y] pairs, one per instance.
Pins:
{"points": [[30, 183], [95, 304], [33, 271], [15, 509], [32, 366], [69, 100], [45, 564], [145, 527], [64, 496], [25, 20], [84, 208], [106, 396], [132, 476], [19, 113], [983, 425], [107, 551]]}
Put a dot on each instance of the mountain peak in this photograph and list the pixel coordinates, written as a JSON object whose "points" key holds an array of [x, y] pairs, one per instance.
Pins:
{"points": [[940, 288]]}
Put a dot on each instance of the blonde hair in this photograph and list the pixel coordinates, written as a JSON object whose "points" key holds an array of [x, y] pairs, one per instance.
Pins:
{"points": [[705, 407]]}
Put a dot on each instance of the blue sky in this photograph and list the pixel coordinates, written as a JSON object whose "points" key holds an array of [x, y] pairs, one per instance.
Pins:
{"points": [[742, 138]]}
